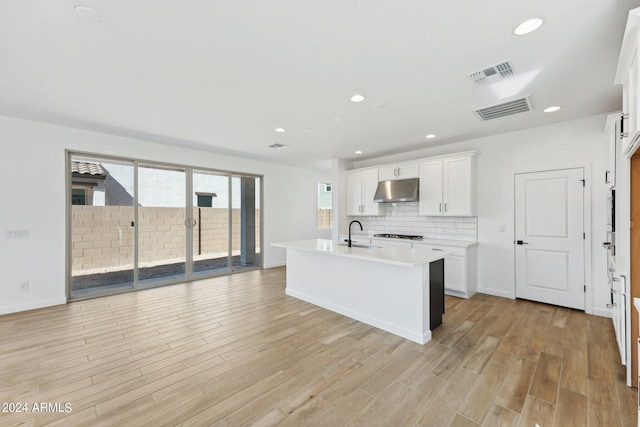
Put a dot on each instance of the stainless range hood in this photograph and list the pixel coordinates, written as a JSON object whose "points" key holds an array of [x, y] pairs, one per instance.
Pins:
{"points": [[397, 190]]}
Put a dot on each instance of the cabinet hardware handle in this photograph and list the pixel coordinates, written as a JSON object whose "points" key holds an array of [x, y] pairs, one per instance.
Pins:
{"points": [[440, 207], [445, 207], [611, 305], [623, 117], [520, 242]]}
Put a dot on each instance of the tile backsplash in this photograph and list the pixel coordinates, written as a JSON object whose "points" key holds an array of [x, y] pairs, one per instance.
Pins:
{"points": [[403, 218]]}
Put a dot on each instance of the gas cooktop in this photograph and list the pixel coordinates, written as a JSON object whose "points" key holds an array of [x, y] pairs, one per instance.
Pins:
{"points": [[398, 236]]}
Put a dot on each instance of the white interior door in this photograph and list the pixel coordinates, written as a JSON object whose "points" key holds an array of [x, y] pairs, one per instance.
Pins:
{"points": [[549, 247]]}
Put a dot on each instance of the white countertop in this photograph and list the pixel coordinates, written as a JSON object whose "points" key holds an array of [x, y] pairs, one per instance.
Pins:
{"points": [[395, 255], [439, 242]]}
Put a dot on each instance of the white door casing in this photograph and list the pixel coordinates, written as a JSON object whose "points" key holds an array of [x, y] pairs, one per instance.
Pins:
{"points": [[549, 222]]}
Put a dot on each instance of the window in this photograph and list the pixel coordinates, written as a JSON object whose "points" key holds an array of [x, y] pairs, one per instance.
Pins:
{"points": [[324, 206], [81, 196], [205, 200]]}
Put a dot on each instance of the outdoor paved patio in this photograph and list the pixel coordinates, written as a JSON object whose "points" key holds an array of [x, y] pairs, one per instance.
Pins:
{"points": [[90, 282]]}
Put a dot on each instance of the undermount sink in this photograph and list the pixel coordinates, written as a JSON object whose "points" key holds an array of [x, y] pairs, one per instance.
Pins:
{"points": [[360, 245]]}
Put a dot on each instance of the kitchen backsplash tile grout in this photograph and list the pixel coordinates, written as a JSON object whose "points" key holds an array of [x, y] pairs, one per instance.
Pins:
{"points": [[403, 218]]}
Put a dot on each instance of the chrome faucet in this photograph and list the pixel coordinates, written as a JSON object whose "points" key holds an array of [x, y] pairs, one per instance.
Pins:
{"points": [[361, 229]]}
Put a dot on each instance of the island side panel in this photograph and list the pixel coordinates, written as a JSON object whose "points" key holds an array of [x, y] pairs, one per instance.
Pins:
{"points": [[436, 293], [389, 297]]}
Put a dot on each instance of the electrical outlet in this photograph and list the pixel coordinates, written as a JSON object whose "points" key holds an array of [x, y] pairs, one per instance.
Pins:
{"points": [[24, 287], [17, 234]]}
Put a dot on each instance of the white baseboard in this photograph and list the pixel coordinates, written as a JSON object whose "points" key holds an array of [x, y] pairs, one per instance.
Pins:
{"points": [[274, 265], [32, 305], [602, 312], [496, 293]]}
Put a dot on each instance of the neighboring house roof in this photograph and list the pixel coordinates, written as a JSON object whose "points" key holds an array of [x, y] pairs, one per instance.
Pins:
{"points": [[84, 168]]}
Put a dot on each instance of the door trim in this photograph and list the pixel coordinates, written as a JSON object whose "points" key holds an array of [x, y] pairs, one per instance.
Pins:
{"points": [[586, 215]]}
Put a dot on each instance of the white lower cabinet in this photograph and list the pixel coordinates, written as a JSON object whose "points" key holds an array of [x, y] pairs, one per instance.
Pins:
{"points": [[460, 269]]}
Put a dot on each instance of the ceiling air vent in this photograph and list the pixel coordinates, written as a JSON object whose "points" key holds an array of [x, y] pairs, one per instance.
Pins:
{"points": [[516, 106], [492, 74]]}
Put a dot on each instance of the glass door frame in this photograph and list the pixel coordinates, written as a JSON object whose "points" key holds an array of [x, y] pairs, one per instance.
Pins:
{"points": [[189, 170]]}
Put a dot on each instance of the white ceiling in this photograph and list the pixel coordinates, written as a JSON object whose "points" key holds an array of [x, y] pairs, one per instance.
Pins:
{"points": [[221, 75]]}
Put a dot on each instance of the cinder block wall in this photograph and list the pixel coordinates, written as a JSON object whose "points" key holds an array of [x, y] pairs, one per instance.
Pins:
{"points": [[102, 236]]}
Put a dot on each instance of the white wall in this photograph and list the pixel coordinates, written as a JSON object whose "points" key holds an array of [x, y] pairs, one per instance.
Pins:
{"points": [[579, 142], [32, 173]]}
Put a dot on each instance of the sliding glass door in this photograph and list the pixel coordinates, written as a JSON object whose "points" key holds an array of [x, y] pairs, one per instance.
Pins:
{"points": [[162, 221], [210, 231], [101, 223], [139, 224]]}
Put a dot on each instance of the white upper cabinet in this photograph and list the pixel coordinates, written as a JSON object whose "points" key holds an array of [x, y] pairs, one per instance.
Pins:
{"points": [[361, 188], [431, 188], [612, 128], [402, 171], [448, 186], [627, 76]]}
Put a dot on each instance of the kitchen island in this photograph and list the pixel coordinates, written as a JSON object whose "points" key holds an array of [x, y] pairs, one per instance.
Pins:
{"points": [[397, 289]]}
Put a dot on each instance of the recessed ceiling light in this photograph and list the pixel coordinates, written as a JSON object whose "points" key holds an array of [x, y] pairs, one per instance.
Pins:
{"points": [[551, 109], [338, 119], [277, 146], [357, 98], [431, 135], [528, 26], [280, 130], [359, 152], [88, 14]]}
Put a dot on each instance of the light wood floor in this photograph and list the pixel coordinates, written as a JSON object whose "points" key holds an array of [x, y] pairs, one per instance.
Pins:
{"points": [[235, 350]]}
